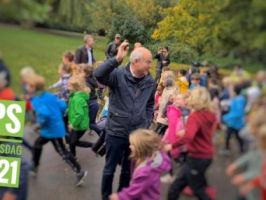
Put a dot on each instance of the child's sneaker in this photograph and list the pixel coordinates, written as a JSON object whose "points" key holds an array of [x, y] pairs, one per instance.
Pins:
{"points": [[167, 179], [33, 170], [80, 177]]}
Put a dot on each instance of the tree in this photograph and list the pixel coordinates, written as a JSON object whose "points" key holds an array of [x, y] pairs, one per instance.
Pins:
{"points": [[72, 13], [26, 12], [222, 28], [129, 27]]}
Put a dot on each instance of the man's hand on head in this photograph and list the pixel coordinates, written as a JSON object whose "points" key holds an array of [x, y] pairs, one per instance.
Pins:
{"points": [[122, 51]]}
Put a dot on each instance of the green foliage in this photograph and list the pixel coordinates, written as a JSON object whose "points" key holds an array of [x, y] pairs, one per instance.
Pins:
{"points": [[26, 12], [102, 13], [147, 12], [179, 53], [193, 29], [129, 27], [222, 28]]}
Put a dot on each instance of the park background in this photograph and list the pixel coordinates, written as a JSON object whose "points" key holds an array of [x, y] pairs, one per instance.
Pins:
{"points": [[37, 32], [224, 33]]}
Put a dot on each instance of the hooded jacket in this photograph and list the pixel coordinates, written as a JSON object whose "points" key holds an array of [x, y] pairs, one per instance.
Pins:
{"points": [[145, 183], [49, 111], [175, 124], [199, 130], [235, 118], [78, 111]]}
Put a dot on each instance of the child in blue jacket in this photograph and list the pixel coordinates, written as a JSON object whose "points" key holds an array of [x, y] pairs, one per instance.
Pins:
{"points": [[49, 111], [235, 119]]}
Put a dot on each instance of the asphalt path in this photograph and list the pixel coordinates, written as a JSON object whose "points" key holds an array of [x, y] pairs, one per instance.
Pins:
{"points": [[56, 181]]}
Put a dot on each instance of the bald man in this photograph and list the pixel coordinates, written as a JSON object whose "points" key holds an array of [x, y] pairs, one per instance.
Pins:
{"points": [[131, 107]]}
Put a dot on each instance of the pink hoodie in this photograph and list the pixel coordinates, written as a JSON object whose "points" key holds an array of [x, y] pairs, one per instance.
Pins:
{"points": [[175, 124]]}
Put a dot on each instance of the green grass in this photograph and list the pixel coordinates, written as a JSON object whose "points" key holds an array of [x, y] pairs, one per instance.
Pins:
{"points": [[42, 51]]}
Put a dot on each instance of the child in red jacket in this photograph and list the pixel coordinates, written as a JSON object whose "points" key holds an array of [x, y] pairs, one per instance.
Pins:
{"points": [[200, 127]]}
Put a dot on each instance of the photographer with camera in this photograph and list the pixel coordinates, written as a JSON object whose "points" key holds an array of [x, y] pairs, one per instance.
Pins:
{"points": [[163, 61]]}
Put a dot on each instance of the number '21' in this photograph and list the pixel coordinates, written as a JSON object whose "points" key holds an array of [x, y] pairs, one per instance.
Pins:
{"points": [[5, 164]]}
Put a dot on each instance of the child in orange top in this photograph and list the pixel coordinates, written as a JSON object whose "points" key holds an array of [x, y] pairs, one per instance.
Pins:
{"points": [[5, 92]]}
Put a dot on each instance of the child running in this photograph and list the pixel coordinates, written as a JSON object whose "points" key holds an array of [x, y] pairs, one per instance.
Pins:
{"points": [[150, 162], [64, 73], [200, 127], [78, 112], [49, 111]]}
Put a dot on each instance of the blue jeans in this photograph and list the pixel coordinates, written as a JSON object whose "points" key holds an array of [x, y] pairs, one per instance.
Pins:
{"points": [[117, 151]]}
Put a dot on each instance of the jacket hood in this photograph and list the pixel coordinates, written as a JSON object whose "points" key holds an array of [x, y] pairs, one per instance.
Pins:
{"points": [[175, 109], [160, 163], [83, 95]]}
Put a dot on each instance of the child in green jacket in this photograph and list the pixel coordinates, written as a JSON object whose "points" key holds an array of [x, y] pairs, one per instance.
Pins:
{"points": [[78, 112]]}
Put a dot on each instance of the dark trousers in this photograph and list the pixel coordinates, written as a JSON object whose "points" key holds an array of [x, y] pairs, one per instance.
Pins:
{"points": [[229, 133], [60, 149], [117, 151], [158, 75], [192, 174], [93, 110], [26, 144], [74, 141]]}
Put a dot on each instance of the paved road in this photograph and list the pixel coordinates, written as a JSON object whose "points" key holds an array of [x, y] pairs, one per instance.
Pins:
{"points": [[55, 180]]}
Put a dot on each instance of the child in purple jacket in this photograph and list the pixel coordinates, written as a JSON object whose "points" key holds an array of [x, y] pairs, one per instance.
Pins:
{"points": [[150, 162]]}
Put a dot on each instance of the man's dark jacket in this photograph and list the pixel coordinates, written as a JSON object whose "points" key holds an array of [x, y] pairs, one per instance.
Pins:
{"points": [[81, 55], [160, 59], [131, 100], [111, 50]]}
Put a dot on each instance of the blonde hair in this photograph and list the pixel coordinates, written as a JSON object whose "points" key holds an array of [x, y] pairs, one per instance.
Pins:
{"points": [[77, 69], [26, 71], [261, 75], [65, 67], [227, 81], [262, 131], [145, 143], [69, 56], [37, 81], [78, 84], [256, 119], [262, 136], [86, 69], [199, 99]]}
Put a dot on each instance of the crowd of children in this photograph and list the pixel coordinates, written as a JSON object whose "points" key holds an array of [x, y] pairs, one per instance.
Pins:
{"points": [[190, 105]]}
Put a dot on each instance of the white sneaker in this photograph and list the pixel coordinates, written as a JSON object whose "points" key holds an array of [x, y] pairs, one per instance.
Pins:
{"points": [[80, 178], [167, 178]]}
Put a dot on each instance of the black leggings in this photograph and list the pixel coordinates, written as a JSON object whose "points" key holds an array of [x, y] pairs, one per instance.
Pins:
{"points": [[229, 133], [60, 149], [192, 174], [74, 141]]}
